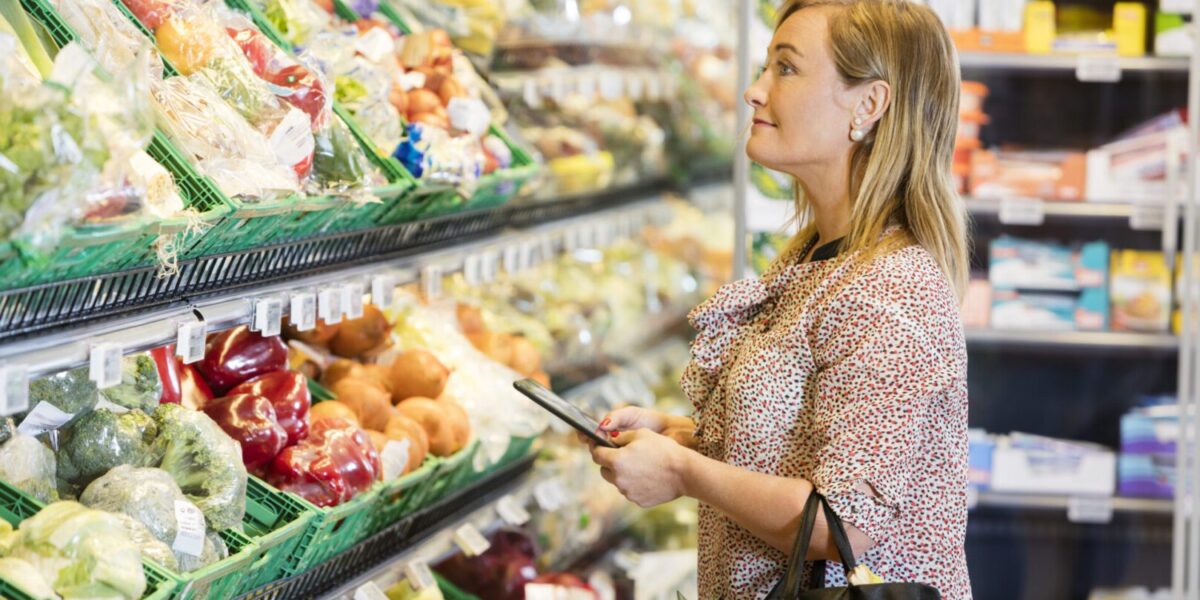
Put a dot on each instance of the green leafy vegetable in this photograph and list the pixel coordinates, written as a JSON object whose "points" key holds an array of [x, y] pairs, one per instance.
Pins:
{"points": [[27, 464], [100, 441], [140, 386], [204, 461], [70, 391]]}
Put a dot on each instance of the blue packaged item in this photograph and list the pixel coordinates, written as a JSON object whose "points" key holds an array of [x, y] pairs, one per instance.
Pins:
{"points": [[979, 458], [1025, 311], [1091, 310], [1150, 430], [1146, 476], [1091, 269], [1018, 264]]}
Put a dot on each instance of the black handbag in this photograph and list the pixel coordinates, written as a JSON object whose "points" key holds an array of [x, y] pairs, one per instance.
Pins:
{"points": [[789, 587]]}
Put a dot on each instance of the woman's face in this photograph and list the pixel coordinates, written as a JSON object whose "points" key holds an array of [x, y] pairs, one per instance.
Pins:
{"points": [[802, 110]]}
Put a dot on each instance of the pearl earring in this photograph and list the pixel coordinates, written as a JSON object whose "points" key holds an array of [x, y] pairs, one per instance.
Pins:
{"points": [[857, 121], [857, 135]]}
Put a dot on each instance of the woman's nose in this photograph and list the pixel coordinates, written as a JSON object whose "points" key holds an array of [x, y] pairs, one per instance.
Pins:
{"points": [[755, 97]]}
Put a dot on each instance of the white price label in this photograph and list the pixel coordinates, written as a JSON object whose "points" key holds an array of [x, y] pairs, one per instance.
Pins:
{"points": [[292, 141], [268, 314], [470, 540], [431, 282], [525, 256], [512, 511], [105, 365], [189, 341], [370, 590], [14, 389], [419, 576], [352, 300], [550, 495], [541, 591], [394, 458], [586, 86], [530, 94], [383, 291], [611, 87], [512, 257], [972, 497], [189, 529], [304, 311], [1148, 217], [473, 269], [490, 266], [545, 248], [1090, 509], [636, 88], [108, 405], [1098, 69], [1022, 211], [44, 417], [330, 306], [654, 87]]}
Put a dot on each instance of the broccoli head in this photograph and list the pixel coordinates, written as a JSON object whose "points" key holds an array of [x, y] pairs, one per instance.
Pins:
{"points": [[205, 462], [140, 386], [101, 440]]}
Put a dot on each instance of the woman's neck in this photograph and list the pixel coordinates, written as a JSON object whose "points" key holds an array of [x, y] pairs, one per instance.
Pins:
{"points": [[828, 194]]}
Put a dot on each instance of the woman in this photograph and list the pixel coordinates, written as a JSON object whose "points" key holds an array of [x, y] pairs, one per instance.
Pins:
{"points": [[844, 368]]}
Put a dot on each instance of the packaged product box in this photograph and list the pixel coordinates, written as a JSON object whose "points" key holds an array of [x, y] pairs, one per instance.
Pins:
{"points": [[979, 458], [1138, 169], [1172, 34], [1091, 265], [1015, 263], [1146, 476], [1050, 175], [1129, 27], [1013, 310], [1150, 431], [1035, 465], [977, 304], [1040, 27], [1140, 288], [1092, 310]]}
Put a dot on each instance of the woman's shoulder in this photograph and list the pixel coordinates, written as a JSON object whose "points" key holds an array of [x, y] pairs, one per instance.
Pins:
{"points": [[907, 274]]}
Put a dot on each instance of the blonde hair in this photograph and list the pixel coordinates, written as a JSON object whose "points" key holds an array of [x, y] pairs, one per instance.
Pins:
{"points": [[908, 183]]}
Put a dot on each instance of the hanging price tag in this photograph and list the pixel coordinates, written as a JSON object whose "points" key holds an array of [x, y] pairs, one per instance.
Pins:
{"points": [[473, 269], [419, 576], [586, 86], [1090, 509], [545, 248], [490, 266], [470, 540], [511, 511], [383, 291], [636, 88], [525, 256], [530, 93], [189, 341], [1022, 211], [611, 87], [190, 528], [105, 366], [1098, 69], [330, 305], [268, 315], [352, 300], [303, 314], [431, 282], [369, 590], [14, 389], [1148, 217], [512, 254]]}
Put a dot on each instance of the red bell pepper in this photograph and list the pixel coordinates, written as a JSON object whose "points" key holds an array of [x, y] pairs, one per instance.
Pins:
{"points": [[168, 371], [332, 465], [288, 392], [237, 355], [250, 420], [194, 392]]}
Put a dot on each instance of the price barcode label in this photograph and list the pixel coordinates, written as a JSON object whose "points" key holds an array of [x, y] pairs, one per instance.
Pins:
{"points": [[105, 365], [470, 540], [268, 316], [1098, 69], [545, 248], [369, 591], [383, 291], [512, 257], [1090, 509], [14, 389], [549, 495], [431, 282], [525, 256], [352, 300], [303, 314], [1148, 217], [512, 511], [189, 341], [490, 266], [419, 576], [611, 86], [1022, 211], [473, 269], [190, 528], [331, 305]]}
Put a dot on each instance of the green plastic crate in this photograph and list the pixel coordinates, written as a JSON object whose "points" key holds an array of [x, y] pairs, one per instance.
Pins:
{"points": [[400, 498], [453, 474], [518, 448], [82, 251], [497, 188], [331, 530], [278, 523]]}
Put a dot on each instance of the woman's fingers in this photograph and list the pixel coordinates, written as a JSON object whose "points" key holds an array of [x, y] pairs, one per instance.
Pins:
{"points": [[608, 475], [630, 417]]}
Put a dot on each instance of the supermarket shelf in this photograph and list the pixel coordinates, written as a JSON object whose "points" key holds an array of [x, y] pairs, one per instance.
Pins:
{"points": [[1034, 212], [1072, 340], [988, 207], [1065, 62], [1046, 502]]}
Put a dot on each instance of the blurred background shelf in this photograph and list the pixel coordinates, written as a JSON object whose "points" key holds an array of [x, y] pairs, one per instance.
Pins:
{"points": [[1066, 62], [1052, 502], [1072, 340]]}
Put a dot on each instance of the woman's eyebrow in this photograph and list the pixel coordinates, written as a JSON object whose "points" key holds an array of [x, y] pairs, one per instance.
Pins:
{"points": [[784, 46]]}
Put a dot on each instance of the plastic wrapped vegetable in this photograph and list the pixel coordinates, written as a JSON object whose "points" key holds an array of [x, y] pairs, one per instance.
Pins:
{"points": [[214, 551], [153, 549], [22, 575], [289, 395], [140, 387], [70, 392], [237, 355], [204, 461], [332, 465], [151, 497], [100, 441], [250, 420], [83, 553], [26, 463]]}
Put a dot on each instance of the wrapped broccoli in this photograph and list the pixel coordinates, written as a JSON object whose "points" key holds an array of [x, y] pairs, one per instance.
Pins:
{"points": [[153, 549], [205, 462], [101, 440], [140, 386], [26, 463], [71, 392], [150, 497]]}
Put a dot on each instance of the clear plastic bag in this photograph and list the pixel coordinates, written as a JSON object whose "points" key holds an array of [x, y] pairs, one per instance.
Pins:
{"points": [[27, 464], [100, 441], [204, 461]]}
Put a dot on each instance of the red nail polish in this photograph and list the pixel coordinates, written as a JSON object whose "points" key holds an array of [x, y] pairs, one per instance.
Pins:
{"points": [[616, 433], [605, 423]]}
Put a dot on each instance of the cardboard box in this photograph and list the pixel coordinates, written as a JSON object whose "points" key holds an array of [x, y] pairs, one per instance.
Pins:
{"points": [[1050, 175], [1016, 263], [1150, 431], [1139, 169], [1140, 287], [1032, 471]]}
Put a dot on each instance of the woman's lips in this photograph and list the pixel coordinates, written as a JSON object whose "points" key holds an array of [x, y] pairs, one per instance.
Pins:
{"points": [[762, 123]]}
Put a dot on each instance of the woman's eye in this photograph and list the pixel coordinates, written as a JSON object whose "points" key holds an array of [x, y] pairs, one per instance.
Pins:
{"points": [[784, 68]]}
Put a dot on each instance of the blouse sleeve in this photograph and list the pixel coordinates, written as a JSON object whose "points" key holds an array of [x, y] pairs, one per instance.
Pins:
{"points": [[879, 368]]}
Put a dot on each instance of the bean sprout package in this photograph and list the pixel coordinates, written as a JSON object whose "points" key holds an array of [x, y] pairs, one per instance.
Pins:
{"points": [[481, 385]]}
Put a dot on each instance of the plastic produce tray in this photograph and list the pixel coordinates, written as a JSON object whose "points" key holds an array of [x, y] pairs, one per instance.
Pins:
{"points": [[404, 495], [82, 251]]}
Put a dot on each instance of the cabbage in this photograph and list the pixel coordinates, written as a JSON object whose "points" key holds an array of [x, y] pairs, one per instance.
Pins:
{"points": [[27, 464], [24, 577]]}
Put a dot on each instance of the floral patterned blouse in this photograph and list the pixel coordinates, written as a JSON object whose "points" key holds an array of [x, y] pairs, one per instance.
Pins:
{"points": [[852, 375]]}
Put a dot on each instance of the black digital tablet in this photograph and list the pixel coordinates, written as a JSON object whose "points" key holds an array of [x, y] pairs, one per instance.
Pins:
{"points": [[563, 410]]}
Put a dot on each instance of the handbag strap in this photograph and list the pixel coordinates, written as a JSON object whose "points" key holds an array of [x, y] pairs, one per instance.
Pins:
{"points": [[808, 519]]}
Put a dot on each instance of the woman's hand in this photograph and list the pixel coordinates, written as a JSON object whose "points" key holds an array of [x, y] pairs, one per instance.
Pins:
{"points": [[648, 468]]}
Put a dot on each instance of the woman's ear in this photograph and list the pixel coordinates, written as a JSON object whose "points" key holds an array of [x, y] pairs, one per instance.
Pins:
{"points": [[874, 99]]}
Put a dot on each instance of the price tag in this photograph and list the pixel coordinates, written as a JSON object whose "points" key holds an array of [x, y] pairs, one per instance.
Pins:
{"points": [[512, 256], [512, 511], [369, 590], [1148, 217], [304, 311], [490, 266], [189, 529], [586, 86], [610, 85], [972, 497], [352, 300], [14, 389], [636, 87], [268, 314], [383, 291], [105, 367], [419, 576], [330, 305], [189, 341], [470, 540], [525, 256], [545, 248], [1090, 509], [394, 458], [1022, 211], [431, 282], [530, 94], [106, 404], [1098, 69], [548, 496], [654, 87], [473, 269], [292, 141], [44, 417]]}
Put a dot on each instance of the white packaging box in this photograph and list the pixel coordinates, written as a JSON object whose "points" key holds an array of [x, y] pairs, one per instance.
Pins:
{"points": [[1026, 471]]}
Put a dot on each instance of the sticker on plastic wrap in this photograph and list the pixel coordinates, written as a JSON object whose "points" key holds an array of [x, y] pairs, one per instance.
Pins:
{"points": [[419, 576], [44, 417], [189, 529], [375, 44], [14, 389], [470, 115], [110, 406], [292, 141], [394, 458]]}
